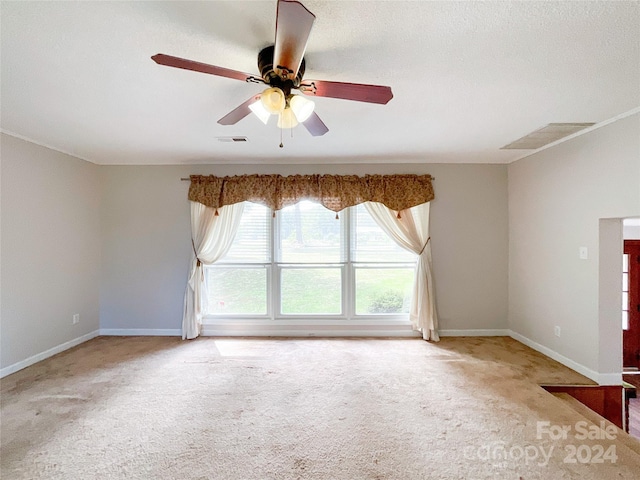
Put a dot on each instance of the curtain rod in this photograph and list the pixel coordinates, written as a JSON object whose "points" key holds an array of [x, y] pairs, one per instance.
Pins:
{"points": [[189, 179]]}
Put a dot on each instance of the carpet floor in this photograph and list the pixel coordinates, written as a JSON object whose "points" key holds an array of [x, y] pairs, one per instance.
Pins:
{"points": [[162, 408]]}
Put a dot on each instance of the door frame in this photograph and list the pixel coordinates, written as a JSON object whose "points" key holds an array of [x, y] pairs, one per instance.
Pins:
{"points": [[631, 337]]}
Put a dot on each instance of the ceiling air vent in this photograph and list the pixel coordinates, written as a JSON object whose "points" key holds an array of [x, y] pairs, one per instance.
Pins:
{"points": [[232, 139], [546, 135]]}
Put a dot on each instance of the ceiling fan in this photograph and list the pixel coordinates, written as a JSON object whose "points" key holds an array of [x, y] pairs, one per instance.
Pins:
{"points": [[282, 67]]}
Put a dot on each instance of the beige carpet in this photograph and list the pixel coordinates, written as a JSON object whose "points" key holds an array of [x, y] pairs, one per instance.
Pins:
{"points": [[162, 408]]}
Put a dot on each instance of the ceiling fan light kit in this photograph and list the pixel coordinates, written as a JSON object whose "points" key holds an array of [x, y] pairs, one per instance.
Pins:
{"points": [[273, 100], [282, 67], [259, 111], [287, 119], [301, 107]]}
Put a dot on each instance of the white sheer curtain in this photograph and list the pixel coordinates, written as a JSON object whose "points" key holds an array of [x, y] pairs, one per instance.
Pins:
{"points": [[212, 235], [410, 230]]}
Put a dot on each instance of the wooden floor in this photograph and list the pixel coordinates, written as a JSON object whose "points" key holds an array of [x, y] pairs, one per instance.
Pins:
{"points": [[634, 406], [633, 379], [634, 417]]}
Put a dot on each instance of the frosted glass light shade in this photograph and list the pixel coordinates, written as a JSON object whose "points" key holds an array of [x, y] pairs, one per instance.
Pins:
{"points": [[273, 100], [287, 119], [301, 107], [260, 111]]}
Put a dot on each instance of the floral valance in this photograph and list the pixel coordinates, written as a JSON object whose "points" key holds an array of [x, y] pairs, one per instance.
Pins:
{"points": [[335, 192]]}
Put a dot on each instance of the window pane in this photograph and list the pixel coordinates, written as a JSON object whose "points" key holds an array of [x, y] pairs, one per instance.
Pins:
{"points": [[625, 263], [237, 290], [251, 244], [383, 290], [625, 300], [309, 233], [625, 282], [311, 291], [625, 320], [372, 244]]}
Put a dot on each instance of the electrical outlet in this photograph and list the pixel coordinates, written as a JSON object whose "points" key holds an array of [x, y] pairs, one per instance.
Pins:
{"points": [[583, 253], [76, 318], [556, 330]]}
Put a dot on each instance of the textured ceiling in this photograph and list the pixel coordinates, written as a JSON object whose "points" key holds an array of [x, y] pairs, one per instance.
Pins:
{"points": [[467, 77]]}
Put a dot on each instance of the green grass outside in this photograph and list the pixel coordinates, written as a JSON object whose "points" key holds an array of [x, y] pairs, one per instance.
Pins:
{"points": [[308, 291], [375, 285], [237, 291], [311, 291]]}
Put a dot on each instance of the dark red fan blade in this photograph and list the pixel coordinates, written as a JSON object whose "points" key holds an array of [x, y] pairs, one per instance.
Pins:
{"points": [[238, 113], [315, 126], [347, 91], [293, 25], [177, 62]]}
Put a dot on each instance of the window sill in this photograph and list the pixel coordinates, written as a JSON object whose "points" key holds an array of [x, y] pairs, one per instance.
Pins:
{"points": [[307, 328]]}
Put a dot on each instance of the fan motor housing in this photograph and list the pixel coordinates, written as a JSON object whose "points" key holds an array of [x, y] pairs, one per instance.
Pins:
{"points": [[269, 75]]}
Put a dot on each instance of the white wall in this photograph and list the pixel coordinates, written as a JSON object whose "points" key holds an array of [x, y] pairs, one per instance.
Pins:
{"points": [[146, 243], [50, 249], [631, 228], [556, 200]]}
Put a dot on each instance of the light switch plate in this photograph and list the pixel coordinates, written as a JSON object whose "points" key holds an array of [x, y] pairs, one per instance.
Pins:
{"points": [[584, 253]]}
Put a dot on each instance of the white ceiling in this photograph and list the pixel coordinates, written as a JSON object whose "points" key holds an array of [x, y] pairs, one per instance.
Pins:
{"points": [[467, 77]]}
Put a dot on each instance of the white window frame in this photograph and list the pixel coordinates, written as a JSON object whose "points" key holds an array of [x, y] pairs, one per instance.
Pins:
{"points": [[345, 324]]}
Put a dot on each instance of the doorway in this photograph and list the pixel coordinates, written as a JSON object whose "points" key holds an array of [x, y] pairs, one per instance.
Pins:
{"points": [[631, 318], [631, 306]]}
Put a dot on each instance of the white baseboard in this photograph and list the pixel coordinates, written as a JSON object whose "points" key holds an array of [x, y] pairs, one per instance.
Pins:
{"points": [[608, 379], [141, 332], [47, 353], [490, 332]]}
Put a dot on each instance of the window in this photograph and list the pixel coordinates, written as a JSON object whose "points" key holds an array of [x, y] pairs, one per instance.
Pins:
{"points": [[383, 270], [239, 283], [625, 292], [305, 263]]}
